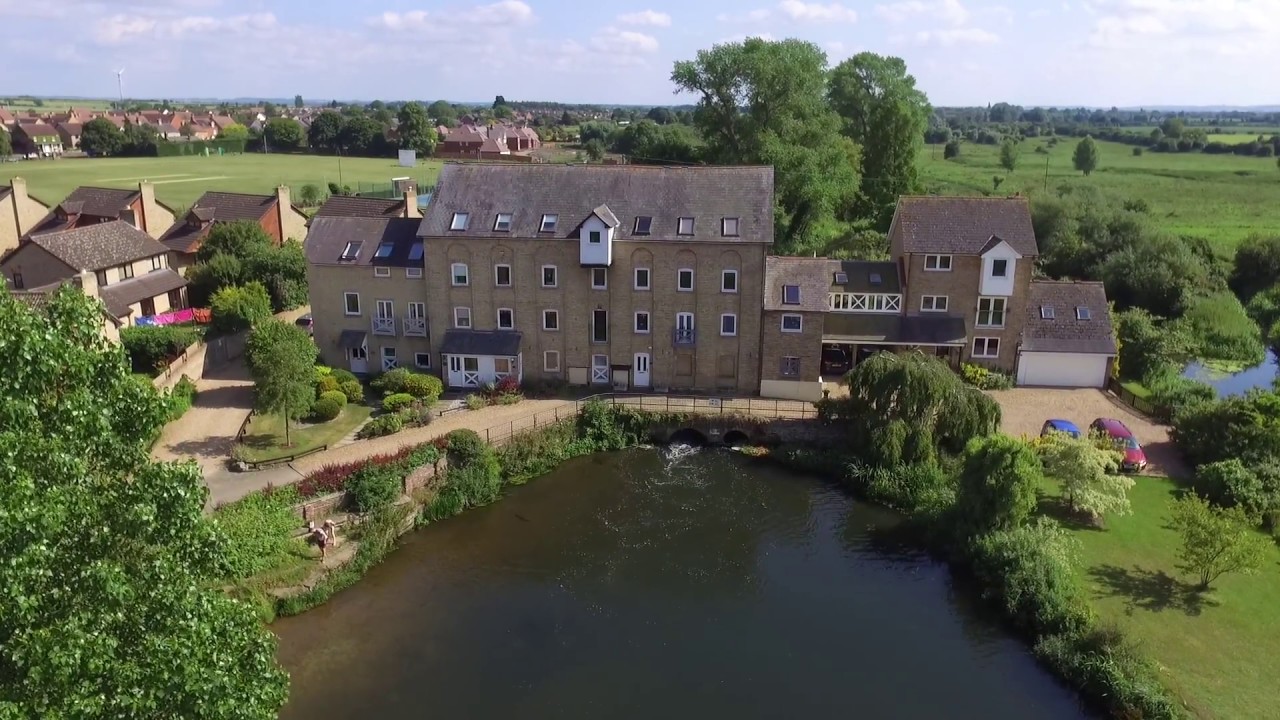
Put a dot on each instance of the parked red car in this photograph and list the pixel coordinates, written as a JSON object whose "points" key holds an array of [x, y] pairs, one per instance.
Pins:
{"points": [[1134, 458]]}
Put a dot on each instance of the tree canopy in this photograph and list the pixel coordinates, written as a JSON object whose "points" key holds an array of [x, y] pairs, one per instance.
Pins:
{"points": [[325, 131], [362, 136], [234, 131], [100, 136], [1085, 157], [416, 131], [1215, 540], [1256, 265], [110, 567], [1088, 474], [6, 145], [283, 133], [238, 239], [281, 358], [1009, 154], [998, 484]]}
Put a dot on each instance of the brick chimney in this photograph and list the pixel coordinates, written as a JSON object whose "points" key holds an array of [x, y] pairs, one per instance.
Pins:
{"points": [[411, 209], [151, 214]]}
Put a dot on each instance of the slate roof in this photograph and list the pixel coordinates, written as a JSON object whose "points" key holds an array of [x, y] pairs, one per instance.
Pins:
{"points": [[707, 194], [38, 129], [100, 246], [96, 201], [39, 298], [1064, 333], [503, 343], [183, 237], [350, 206], [895, 329], [121, 295], [813, 275], [348, 339], [328, 237], [964, 225], [865, 276]]}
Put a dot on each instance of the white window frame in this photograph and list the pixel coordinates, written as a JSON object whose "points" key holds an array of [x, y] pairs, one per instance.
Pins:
{"points": [[382, 272], [157, 262], [796, 316], [994, 262], [987, 342], [502, 222], [497, 281], [648, 229], [680, 316], [413, 272], [1083, 313], [417, 360], [351, 250], [346, 303], [602, 273], [933, 307], [680, 275], [546, 361], [594, 237], [385, 249], [725, 224], [498, 318], [648, 322], [680, 226], [457, 317], [549, 222], [453, 274], [648, 279], [1004, 312], [725, 275], [799, 298], [938, 263], [384, 309], [550, 313], [723, 317], [460, 221], [555, 276]]}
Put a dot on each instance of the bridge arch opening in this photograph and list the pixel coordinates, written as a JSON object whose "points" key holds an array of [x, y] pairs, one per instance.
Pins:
{"points": [[687, 436], [736, 438]]}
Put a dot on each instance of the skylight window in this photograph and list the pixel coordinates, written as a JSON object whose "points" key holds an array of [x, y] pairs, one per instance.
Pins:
{"points": [[729, 227], [1046, 312], [1082, 313], [351, 250], [874, 278], [503, 222], [549, 223], [459, 221], [842, 278], [790, 294], [644, 224], [384, 250], [415, 251], [684, 226]]}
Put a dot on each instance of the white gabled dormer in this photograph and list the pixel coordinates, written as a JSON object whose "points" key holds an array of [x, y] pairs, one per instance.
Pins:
{"points": [[999, 268], [595, 237]]}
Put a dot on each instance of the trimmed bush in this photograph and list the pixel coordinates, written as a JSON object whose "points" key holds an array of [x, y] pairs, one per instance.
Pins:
{"points": [[152, 347], [328, 383], [985, 378], [352, 389], [398, 402], [381, 425], [336, 396], [423, 387], [325, 409], [476, 402], [238, 308], [181, 397], [343, 375], [464, 446]]}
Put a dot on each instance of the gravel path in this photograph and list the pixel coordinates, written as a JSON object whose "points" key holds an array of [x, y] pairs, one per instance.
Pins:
{"points": [[1026, 409], [206, 432]]}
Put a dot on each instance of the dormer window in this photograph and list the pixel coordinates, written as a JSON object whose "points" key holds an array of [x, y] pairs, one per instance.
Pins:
{"points": [[684, 226], [1082, 313], [548, 223], [1046, 312], [790, 294], [384, 250], [644, 224], [594, 237], [999, 268], [729, 227], [459, 221], [351, 250], [502, 223]]}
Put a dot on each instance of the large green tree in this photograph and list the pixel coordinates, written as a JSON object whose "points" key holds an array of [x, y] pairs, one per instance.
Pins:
{"points": [[283, 133], [362, 136], [764, 103], [100, 136], [1215, 540], [1256, 265], [238, 239], [281, 358], [443, 113], [325, 131], [233, 131], [1088, 474], [1009, 154], [109, 566], [1085, 156], [416, 131], [886, 115], [998, 485]]}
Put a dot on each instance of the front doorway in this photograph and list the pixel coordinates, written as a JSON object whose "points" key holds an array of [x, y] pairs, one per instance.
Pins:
{"points": [[358, 356], [640, 371]]}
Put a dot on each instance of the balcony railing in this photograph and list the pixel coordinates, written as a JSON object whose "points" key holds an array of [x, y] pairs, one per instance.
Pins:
{"points": [[865, 302], [684, 336], [415, 326], [384, 326]]}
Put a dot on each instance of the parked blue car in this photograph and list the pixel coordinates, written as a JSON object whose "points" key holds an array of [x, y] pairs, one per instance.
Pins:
{"points": [[1062, 426]]}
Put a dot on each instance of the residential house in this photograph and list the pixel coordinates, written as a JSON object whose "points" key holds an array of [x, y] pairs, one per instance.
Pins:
{"points": [[70, 134], [627, 276], [19, 213], [38, 299], [38, 138], [275, 213], [1067, 338], [114, 261], [93, 205], [366, 207], [462, 139], [367, 289]]}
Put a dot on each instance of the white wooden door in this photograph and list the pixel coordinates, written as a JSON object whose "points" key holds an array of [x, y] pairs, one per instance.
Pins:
{"points": [[455, 371], [640, 371], [389, 360], [599, 369], [359, 359]]}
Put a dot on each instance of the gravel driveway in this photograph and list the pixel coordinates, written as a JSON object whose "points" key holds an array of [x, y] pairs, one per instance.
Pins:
{"points": [[1026, 409]]}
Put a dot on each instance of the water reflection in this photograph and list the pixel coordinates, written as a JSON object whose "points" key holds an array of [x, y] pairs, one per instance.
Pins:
{"points": [[1259, 376]]}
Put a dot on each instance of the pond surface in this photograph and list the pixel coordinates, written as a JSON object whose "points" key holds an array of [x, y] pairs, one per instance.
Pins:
{"points": [[1258, 376], [662, 584]]}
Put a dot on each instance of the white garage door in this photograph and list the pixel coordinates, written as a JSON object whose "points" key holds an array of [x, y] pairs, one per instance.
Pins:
{"points": [[1062, 369]]}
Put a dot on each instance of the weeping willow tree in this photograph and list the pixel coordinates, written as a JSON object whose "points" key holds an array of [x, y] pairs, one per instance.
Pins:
{"points": [[905, 409]]}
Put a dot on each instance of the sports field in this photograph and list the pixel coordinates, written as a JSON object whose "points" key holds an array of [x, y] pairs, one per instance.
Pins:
{"points": [[1223, 198], [180, 180]]}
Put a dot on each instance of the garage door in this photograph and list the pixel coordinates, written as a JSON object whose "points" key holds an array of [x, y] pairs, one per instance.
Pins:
{"points": [[1062, 369]]}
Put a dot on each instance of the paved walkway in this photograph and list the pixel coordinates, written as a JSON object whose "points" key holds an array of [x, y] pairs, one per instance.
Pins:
{"points": [[206, 432]]}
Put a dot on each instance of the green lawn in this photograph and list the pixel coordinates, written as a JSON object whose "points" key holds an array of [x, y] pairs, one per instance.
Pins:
{"points": [[265, 437], [1224, 198], [180, 180], [1220, 651], [58, 104]]}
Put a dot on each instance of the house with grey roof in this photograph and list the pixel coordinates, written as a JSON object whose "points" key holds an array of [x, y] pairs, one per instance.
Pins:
{"points": [[353, 206], [113, 261], [88, 205], [1067, 336], [279, 218]]}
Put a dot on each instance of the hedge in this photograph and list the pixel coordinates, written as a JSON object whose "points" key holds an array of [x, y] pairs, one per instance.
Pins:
{"points": [[152, 347]]}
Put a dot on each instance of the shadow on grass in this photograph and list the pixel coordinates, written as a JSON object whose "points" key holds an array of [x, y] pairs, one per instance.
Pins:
{"points": [[1151, 591], [1059, 509]]}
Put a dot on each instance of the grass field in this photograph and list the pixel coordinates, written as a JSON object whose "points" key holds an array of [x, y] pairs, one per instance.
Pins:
{"points": [[58, 104], [180, 180], [1220, 651], [264, 438], [1223, 198]]}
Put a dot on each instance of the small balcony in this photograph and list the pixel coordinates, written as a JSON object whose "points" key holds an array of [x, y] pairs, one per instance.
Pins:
{"points": [[384, 326], [416, 327], [684, 336], [865, 302]]}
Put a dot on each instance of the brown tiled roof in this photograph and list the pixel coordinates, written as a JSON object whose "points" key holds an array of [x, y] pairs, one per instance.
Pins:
{"points": [[71, 128], [100, 246], [95, 201], [964, 225], [217, 207], [328, 237], [1065, 332], [38, 129], [813, 275], [350, 206], [120, 296]]}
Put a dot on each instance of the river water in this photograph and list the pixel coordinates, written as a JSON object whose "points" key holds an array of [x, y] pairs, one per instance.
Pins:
{"points": [[661, 584]]}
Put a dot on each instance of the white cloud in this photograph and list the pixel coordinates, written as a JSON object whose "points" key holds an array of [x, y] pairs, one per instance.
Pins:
{"points": [[120, 29], [646, 17], [626, 42], [751, 16], [949, 11], [817, 12], [1180, 26], [953, 36], [512, 12], [743, 36]]}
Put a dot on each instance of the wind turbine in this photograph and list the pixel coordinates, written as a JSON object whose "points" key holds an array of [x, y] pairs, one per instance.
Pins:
{"points": [[120, 85]]}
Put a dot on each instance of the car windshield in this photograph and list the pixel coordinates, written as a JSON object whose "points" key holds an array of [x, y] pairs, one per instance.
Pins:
{"points": [[1131, 444]]}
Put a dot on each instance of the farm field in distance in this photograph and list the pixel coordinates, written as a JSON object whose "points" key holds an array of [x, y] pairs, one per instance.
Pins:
{"points": [[1223, 198], [180, 181]]}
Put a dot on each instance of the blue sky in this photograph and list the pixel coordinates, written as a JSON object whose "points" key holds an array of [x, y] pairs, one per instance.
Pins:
{"points": [[962, 52]]}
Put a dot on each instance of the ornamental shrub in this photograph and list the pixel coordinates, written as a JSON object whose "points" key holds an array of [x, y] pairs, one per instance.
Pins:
{"points": [[422, 386], [328, 383], [336, 396], [151, 347], [381, 425], [374, 486], [1029, 571], [342, 375], [237, 308], [325, 409], [181, 397], [352, 389], [398, 402]]}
